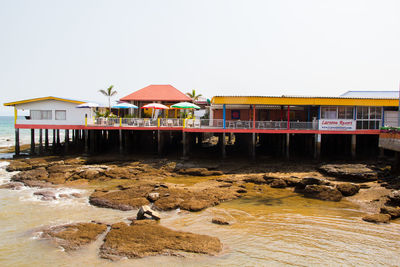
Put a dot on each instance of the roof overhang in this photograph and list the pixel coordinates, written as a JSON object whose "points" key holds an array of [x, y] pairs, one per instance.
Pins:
{"points": [[42, 99], [305, 101]]}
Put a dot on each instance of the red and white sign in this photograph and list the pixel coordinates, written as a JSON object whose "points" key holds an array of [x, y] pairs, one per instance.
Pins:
{"points": [[337, 125]]}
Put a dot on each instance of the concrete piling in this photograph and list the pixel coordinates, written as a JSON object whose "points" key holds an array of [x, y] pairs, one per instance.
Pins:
{"points": [[32, 151], [17, 148]]}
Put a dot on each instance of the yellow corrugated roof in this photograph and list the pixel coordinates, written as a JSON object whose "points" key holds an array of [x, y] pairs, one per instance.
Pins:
{"points": [[305, 100]]}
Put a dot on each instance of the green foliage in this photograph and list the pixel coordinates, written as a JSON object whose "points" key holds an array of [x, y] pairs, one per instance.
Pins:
{"points": [[109, 92], [193, 95], [390, 129], [103, 115], [129, 116]]}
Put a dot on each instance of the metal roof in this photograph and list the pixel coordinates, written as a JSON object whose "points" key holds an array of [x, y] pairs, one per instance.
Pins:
{"points": [[372, 94], [42, 99], [164, 92], [308, 96]]}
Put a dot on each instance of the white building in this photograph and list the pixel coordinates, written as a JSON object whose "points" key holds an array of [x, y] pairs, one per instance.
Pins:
{"points": [[50, 111]]}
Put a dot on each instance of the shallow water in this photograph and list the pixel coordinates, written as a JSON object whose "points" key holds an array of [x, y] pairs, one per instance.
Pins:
{"points": [[270, 227]]}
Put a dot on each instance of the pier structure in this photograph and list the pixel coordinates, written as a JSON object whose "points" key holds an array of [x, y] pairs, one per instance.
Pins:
{"points": [[251, 126]]}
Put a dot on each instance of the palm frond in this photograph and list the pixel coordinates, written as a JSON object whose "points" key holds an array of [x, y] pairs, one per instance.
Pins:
{"points": [[109, 89], [103, 92]]}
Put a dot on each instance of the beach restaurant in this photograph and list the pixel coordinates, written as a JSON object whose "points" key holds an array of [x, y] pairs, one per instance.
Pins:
{"points": [[281, 124]]}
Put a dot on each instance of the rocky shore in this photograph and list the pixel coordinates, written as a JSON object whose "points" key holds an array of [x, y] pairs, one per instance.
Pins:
{"points": [[164, 185]]}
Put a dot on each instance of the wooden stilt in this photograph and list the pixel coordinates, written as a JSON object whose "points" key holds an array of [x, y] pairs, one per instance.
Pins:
{"points": [[66, 142], [353, 146], [223, 141], [287, 146], [40, 141], [32, 151], [46, 139], [17, 148], [121, 148]]}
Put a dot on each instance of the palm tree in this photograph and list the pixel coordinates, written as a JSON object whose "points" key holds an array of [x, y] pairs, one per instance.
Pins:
{"points": [[109, 93], [193, 95]]}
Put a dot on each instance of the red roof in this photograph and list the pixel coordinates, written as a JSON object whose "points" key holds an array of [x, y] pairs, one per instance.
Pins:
{"points": [[157, 93]]}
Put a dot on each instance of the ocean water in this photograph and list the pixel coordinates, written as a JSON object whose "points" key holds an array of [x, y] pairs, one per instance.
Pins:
{"points": [[272, 227], [7, 133]]}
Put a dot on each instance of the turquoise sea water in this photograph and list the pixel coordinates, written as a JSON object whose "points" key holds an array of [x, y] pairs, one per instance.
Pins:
{"points": [[7, 132]]}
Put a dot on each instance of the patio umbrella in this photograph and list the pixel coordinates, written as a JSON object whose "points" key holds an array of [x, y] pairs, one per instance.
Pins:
{"points": [[185, 105], [124, 105], [155, 106], [88, 105]]}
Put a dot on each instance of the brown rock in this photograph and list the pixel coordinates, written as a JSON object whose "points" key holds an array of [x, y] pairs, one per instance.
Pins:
{"points": [[39, 184], [76, 195], [195, 200], [128, 199], [322, 192], [46, 195], [377, 218], [220, 220], [35, 174], [394, 198], [119, 173], [137, 241], [145, 212], [278, 183], [73, 236], [199, 172], [358, 172], [90, 174], [153, 196], [17, 165], [255, 179], [142, 222], [12, 185], [348, 189], [394, 212]]}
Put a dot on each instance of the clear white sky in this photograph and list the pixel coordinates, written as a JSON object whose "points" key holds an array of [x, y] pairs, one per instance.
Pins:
{"points": [[312, 47]]}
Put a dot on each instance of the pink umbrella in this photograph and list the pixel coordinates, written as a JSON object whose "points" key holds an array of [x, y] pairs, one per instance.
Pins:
{"points": [[155, 106]]}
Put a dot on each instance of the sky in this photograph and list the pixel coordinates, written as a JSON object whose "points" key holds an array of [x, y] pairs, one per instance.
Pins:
{"points": [[269, 47]]}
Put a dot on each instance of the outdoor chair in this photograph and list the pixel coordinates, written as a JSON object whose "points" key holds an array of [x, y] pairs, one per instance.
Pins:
{"points": [[147, 123], [231, 124], [197, 123], [140, 123], [170, 123], [189, 123], [110, 122]]}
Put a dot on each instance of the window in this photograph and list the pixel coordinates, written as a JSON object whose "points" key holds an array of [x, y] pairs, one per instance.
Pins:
{"points": [[235, 114], [345, 113], [369, 117], [337, 113], [41, 114], [61, 115], [329, 112]]}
